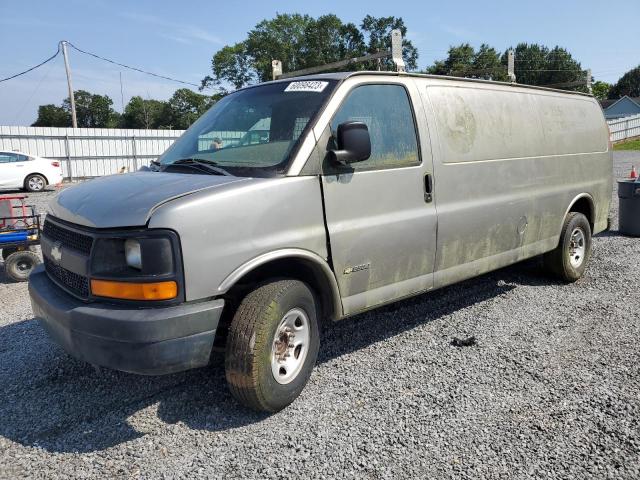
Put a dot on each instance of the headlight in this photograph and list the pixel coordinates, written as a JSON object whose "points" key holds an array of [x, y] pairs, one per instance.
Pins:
{"points": [[147, 263], [132, 253]]}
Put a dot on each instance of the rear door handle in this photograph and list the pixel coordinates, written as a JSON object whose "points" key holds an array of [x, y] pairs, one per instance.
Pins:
{"points": [[428, 188]]}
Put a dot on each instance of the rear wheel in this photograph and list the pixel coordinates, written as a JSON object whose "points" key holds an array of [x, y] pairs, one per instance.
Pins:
{"points": [[35, 183], [272, 345], [569, 260], [19, 265]]}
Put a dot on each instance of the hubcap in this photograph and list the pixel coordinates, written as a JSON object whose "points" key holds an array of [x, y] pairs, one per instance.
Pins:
{"points": [[290, 346], [24, 266], [36, 183], [577, 247]]}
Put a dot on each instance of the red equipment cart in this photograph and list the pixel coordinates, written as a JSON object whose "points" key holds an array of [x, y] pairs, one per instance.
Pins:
{"points": [[19, 234]]}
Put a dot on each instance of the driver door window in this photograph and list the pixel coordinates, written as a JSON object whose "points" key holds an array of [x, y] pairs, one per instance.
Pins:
{"points": [[386, 111]]}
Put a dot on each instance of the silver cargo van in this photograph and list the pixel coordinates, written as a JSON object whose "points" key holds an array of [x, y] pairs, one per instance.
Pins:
{"points": [[359, 189]]}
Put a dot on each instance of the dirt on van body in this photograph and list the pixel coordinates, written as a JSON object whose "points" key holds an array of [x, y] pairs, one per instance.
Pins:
{"points": [[550, 387]]}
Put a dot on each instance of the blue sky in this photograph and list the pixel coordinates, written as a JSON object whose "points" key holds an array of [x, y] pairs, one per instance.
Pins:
{"points": [[178, 39]]}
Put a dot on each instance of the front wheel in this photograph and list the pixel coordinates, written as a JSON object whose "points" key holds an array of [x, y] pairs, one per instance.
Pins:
{"points": [[19, 265], [569, 260], [272, 345]]}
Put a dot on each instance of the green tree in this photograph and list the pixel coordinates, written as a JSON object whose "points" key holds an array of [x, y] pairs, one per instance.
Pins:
{"points": [[184, 108], [600, 89], [463, 61], [378, 31], [300, 41], [92, 110], [141, 113], [538, 65], [459, 62], [232, 64], [52, 116], [629, 84]]}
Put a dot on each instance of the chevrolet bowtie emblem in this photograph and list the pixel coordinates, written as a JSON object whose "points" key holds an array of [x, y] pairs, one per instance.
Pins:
{"points": [[56, 252]]}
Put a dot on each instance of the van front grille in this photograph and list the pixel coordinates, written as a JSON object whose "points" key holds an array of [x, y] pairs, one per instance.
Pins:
{"points": [[72, 281], [68, 238]]}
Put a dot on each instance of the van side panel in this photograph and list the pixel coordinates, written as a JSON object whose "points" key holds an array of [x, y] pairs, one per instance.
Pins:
{"points": [[222, 231], [508, 163]]}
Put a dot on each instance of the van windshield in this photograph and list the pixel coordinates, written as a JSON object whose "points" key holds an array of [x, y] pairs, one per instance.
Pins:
{"points": [[252, 132]]}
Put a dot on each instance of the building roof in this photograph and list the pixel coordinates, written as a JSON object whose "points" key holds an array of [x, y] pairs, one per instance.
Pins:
{"points": [[605, 104]]}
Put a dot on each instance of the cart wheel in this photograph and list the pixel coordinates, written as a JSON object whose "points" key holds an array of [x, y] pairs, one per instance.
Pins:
{"points": [[19, 265], [8, 251]]}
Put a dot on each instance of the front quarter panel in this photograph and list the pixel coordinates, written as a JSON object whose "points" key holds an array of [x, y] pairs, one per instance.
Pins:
{"points": [[223, 230]]}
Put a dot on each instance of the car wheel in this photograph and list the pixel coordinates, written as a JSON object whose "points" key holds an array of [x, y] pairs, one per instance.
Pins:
{"points": [[19, 265], [35, 183], [272, 345], [569, 260]]}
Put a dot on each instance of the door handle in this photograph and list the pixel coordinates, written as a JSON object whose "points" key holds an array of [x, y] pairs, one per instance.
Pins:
{"points": [[428, 188]]}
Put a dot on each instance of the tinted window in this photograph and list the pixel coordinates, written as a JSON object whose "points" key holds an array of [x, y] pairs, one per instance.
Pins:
{"points": [[388, 115], [6, 157]]}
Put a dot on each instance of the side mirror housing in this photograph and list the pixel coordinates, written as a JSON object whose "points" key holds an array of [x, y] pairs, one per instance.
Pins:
{"points": [[354, 143]]}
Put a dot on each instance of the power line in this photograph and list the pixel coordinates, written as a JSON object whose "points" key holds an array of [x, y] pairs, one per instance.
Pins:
{"points": [[130, 67], [32, 68]]}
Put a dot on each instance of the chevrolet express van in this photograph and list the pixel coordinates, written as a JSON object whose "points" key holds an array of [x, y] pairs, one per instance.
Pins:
{"points": [[362, 189]]}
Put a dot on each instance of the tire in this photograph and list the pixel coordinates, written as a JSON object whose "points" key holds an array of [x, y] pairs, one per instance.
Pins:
{"points": [[569, 260], [35, 183], [19, 265], [8, 251], [255, 355]]}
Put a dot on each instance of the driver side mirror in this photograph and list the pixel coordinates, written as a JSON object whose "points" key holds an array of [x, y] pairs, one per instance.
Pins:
{"points": [[354, 143]]}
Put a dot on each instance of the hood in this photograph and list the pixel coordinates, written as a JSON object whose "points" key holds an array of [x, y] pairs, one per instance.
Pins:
{"points": [[128, 200]]}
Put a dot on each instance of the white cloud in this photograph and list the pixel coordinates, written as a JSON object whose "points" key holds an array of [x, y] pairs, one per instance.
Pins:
{"points": [[183, 32]]}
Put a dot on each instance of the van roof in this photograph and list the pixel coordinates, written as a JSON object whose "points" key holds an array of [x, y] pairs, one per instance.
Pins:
{"points": [[345, 75]]}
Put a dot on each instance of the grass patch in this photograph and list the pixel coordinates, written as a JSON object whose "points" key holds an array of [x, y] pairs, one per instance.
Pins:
{"points": [[628, 145]]}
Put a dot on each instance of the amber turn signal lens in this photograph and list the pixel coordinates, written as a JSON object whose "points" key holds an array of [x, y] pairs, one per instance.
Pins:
{"points": [[135, 291]]}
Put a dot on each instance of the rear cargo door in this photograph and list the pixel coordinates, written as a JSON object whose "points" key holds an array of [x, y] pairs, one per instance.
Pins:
{"points": [[380, 215]]}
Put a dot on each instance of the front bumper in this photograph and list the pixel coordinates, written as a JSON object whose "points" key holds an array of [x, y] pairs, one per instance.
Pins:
{"points": [[147, 341]]}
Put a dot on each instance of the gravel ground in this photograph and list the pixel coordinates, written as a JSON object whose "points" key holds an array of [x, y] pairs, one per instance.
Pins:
{"points": [[552, 389]]}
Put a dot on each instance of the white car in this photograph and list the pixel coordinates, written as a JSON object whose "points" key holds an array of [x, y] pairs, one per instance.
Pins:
{"points": [[20, 170]]}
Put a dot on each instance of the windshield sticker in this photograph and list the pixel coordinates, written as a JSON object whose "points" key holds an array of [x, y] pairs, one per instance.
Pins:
{"points": [[308, 86]]}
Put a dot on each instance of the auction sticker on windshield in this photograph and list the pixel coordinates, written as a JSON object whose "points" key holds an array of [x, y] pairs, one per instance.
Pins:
{"points": [[307, 86]]}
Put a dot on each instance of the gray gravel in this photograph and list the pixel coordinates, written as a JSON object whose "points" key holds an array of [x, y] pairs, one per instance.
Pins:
{"points": [[551, 389]]}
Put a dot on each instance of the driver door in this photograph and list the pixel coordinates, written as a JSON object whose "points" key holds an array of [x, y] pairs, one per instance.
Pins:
{"points": [[381, 223]]}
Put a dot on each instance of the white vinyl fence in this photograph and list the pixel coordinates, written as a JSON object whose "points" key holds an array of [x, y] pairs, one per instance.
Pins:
{"points": [[89, 152], [625, 127]]}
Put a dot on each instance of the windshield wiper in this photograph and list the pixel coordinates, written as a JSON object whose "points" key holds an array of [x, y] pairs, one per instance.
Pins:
{"points": [[201, 164]]}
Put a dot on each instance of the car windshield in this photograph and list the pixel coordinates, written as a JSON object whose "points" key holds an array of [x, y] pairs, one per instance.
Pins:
{"points": [[252, 132]]}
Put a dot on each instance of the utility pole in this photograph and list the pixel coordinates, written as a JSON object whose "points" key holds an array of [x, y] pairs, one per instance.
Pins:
{"points": [[588, 79], [74, 120]]}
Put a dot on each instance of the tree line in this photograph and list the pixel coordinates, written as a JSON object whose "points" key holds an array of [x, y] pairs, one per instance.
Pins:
{"points": [[301, 41], [96, 111]]}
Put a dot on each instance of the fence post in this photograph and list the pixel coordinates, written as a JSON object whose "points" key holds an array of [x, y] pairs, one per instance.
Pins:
{"points": [[66, 143], [134, 151], [626, 128]]}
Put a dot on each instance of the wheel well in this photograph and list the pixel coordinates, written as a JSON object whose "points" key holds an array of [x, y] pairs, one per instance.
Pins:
{"points": [[290, 267], [295, 268], [583, 205], [35, 173]]}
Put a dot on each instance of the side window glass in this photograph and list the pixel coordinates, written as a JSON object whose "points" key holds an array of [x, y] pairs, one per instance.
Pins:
{"points": [[7, 157], [387, 113]]}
